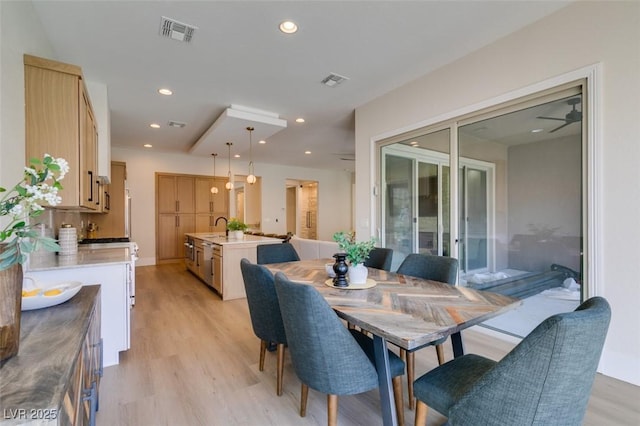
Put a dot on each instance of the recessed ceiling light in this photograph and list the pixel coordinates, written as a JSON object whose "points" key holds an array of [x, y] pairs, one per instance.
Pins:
{"points": [[262, 142], [300, 120], [537, 130], [307, 152], [236, 156], [413, 143], [288, 27], [147, 145], [154, 125], [165, 92]]}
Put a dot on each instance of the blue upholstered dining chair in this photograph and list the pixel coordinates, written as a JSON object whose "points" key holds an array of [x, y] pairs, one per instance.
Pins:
{"points": [[380, 258], [265, 314], [438, 268], [276, 253], [545, 380], [326, 356]]}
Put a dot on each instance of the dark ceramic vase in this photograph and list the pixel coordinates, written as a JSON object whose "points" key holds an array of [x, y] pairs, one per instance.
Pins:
{"points": [[340, 268]]}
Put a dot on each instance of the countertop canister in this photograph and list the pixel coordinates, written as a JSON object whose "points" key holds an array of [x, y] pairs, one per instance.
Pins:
{"points": [[68, 240]]}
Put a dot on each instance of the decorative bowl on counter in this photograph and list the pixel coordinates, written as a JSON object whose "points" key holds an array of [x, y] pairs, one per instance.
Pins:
{"points": [[35, 297]]}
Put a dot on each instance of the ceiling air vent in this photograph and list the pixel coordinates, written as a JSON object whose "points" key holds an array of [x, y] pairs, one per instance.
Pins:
{"points": [[176, 30], [177, 124], [333, 79]]}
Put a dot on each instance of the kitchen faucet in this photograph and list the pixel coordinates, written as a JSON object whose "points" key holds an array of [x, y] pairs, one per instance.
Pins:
{"points": [[226, 221]]}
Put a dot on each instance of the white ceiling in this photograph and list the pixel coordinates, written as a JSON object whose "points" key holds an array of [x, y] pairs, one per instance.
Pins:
{"points": [[238, 56]]}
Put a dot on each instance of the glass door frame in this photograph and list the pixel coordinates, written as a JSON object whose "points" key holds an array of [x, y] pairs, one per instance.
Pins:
{"points": [[588, 79]]}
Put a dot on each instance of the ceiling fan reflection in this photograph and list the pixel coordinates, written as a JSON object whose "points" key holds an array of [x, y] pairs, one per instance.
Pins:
{"points": [[572, 116]]}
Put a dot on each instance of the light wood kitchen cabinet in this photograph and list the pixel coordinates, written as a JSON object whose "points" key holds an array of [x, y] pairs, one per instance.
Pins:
{"points": [[210, 206], [185, 204], [175, 195], [112, 222], [60, 122]]}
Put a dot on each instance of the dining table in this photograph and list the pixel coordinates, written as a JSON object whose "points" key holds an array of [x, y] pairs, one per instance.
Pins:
{"points": [[407, 311]]}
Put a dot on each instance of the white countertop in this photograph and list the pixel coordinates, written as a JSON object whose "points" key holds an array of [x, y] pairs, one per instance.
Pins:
{"points": [[84, 258], [221, 239]]}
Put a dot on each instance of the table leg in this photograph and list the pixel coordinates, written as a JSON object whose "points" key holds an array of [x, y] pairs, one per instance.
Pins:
{"points": [[384, 381], [456, 343]]}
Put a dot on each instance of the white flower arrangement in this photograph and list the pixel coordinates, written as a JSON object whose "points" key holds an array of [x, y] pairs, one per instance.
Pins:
{"points": [[23, 202]]}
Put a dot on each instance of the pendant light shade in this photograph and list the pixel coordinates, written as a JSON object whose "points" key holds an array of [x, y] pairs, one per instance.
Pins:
{"points": [[251, 178], [214, 188], [229, 184]]}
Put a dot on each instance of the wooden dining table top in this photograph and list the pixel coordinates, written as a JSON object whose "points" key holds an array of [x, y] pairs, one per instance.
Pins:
{"points": [[404, 310]]}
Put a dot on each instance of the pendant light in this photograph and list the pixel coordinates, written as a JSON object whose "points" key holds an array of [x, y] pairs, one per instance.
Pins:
{"points": [[251, 178], [229, 184], [214, 188]]}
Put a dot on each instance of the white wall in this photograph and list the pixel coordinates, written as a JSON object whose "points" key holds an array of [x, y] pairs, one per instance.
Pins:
{"points": [[20, 33], [582, 34], [142, 165]]}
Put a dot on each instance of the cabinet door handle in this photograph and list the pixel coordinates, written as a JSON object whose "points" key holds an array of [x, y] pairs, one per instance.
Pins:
{"points": [[211, 206], [97, 186], [90, 185], [107, 198]]}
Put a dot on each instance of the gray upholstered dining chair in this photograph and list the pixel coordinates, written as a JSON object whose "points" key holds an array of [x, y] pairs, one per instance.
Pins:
{"points": [[429, 267], [276, 253], [264, 311], [545, 380], [380, 258], [326, 356]]}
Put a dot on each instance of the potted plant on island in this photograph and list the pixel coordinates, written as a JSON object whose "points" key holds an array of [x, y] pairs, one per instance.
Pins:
{"points": [[18, 237], [236, 228], [356, 253]]}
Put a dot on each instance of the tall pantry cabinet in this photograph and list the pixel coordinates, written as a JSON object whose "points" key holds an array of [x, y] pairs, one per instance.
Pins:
{"points": [[185, 204], [60, 122], [175, 198]]}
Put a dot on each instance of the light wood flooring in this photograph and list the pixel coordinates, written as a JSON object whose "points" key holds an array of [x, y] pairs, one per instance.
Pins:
{"points": [[194, 361]]}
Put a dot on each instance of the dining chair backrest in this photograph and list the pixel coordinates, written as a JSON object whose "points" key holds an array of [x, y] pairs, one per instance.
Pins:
{"points": [[324, 354], [380, 258], [264, 308], [429, 267], [547, 378], [276, 253]]}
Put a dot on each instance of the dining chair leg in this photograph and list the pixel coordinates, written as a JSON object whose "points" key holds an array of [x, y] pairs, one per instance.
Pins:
{"points": [[411, 365], [263, 351], [440, 353], [397, 397], [280, 355], [332, 410], [304, 393], [421, 414], [403, 354]]}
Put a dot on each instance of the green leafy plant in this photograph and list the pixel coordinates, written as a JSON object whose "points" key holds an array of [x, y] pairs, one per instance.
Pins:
{"points": [[357, 251], [236, 225], [39, 184]]}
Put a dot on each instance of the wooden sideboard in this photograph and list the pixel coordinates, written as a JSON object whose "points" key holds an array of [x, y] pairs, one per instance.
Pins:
{"points": [[55, 377]]}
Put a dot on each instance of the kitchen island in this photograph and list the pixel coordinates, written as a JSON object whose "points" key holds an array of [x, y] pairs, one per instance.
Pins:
{"points": [[215, 259], [114, 270]]}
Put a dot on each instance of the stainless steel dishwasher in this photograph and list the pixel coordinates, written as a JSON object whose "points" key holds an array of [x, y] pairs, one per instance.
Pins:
{"points": [[216, 270], [206, 268]]}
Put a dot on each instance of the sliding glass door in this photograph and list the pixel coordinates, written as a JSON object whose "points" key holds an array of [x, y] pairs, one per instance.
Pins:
{"points": [[517, 196]]}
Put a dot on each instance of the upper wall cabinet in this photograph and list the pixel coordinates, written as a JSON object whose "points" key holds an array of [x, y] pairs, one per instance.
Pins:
{"points": [[60, 122]]}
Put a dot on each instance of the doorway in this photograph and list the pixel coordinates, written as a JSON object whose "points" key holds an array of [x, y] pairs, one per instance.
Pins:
{"points": [[517, 200], [302, 208]]}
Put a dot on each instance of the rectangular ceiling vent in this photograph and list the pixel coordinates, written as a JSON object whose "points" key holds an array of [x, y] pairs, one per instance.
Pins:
{"points": [[176, 30], [333, 79], [177, 124]]}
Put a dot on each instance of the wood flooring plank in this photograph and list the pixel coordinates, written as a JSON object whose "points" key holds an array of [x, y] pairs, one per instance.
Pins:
{"points": [[194, 361]]}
